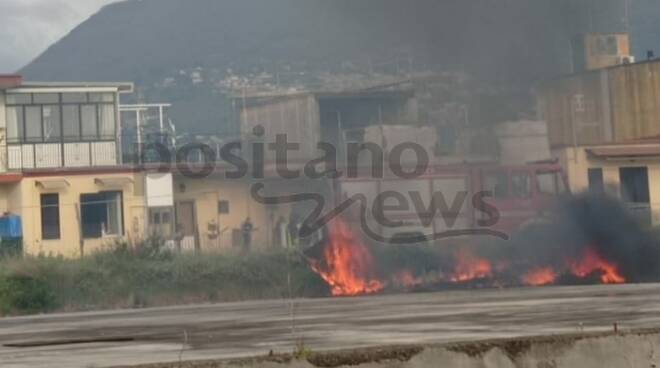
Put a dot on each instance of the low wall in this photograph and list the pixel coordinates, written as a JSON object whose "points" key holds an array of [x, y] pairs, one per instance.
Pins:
{"points": [[630, 349]]}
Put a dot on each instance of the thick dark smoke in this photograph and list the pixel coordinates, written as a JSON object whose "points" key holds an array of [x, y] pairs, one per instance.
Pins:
{"points": [[579, 225], [604, 224], [581, 222]]}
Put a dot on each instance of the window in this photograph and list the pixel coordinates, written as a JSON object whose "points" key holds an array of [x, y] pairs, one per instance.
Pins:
{"points": [[520, 185], [634, 184], [74, 97], [101, 214], [223, 207], [18, 98], [612, 45], [53, 117], [14, 124], [160, 221], [50, 216], [46, 98], [107, 121], [71, 122], [89, 122], [550, 183], [160, 216], [605, 46], [155, 218], [33, 124], [51, 123], [497, 184], [596, 182]]}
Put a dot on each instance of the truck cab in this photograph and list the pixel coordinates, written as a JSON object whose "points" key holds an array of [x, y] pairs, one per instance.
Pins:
{"points": [[521, 194]]}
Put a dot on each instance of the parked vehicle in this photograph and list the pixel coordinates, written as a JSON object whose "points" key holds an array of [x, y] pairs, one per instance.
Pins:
{"points": [[454, 199]]}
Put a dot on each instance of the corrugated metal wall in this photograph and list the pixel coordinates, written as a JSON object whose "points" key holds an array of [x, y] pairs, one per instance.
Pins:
{"points": [[297, 117], [618, 104], [634, 92]]}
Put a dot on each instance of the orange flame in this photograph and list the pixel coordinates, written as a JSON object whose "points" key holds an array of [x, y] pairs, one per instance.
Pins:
{"points": [[469, 267], [591, 262], [349, 265], [540, 276]]}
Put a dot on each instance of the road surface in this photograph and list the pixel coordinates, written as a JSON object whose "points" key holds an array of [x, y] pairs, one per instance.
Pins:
{"points": [[254, 328]]}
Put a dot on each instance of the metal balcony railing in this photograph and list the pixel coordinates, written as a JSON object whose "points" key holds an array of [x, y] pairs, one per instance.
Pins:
{"points": [[33, 156]]}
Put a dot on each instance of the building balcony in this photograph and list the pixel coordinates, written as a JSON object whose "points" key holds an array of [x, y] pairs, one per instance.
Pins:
{"points": [[35, 156], [74, 125]]}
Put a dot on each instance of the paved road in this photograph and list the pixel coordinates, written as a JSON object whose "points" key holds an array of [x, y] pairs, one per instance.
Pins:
{"points": [[249, 328]]}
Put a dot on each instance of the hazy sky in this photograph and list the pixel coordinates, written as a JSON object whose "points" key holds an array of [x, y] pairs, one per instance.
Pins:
{"points": [[28, 27]]}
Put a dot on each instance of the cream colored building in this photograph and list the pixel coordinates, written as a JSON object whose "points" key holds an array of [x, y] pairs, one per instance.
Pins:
{"points": [[603, 127], [211, 212], [119, 194], [628, 171], [62, 171]]}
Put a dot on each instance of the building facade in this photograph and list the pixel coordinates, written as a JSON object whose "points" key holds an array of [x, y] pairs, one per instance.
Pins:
{"points": [[630, 172], [618, 104], [61, 169], [603, 127], [212, 213]]}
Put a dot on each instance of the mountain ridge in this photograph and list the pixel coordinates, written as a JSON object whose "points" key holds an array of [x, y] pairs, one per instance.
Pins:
{"points": [[192, 46]]}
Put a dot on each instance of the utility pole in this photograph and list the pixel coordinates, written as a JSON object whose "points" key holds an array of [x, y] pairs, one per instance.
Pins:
{"points": [[590, 17], [626, 15]]}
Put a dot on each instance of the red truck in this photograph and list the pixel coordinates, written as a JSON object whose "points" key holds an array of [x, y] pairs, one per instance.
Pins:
{"points": [[483, 197]]}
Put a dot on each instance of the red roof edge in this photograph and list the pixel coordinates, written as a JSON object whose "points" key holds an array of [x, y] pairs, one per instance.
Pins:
{"points": [[10, 80], [10, 178]]}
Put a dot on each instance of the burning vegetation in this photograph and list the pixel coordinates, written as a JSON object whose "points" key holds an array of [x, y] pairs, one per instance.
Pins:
{"points": [[580, 247], [347, 265]]}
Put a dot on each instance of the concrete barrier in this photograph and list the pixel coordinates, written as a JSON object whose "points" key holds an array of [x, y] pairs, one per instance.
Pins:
{"points": [[596, 350]]}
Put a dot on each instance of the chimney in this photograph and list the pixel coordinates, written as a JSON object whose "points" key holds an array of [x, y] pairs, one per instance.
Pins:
{"points": [[10, 81]]}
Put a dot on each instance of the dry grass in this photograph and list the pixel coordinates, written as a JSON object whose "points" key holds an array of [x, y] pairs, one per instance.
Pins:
{"points": [[128, 278]]}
